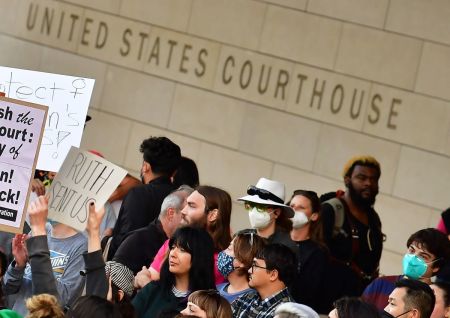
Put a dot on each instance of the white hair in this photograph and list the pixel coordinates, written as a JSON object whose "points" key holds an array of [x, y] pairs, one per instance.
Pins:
{"points": [[175, 200], [290, 309]]}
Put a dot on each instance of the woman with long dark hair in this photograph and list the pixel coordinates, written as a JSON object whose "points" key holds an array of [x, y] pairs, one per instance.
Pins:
{"points": [[188, 267], [311, 251]]}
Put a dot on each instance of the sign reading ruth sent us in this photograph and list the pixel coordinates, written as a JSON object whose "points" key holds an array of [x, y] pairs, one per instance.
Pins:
{"points": [[83, 178]]}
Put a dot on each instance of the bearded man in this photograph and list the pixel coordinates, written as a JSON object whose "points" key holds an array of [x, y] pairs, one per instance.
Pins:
{"points": [[352, 228]]}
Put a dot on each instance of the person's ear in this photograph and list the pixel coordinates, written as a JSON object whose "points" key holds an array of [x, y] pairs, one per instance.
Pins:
{"points": [[314, 216], [170, 212], [277, 212], [273, 276], [146, 167], [435, 269], [414, 313], [346, 180], [212, 215], [120, 295]]}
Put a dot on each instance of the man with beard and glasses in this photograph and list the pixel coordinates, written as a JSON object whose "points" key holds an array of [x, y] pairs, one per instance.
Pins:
{"points": [[352, 228]]}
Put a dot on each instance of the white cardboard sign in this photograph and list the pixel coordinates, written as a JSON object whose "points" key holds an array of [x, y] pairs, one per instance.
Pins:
{"points": [[83, 177], [68, 100], [21, 129]]}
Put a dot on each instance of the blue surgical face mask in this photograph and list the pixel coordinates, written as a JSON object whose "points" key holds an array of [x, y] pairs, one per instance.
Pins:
{"points": [[413, 266], [225, 264]]}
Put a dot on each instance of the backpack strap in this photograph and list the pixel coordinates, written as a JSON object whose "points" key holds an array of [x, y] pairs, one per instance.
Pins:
{"points": [[339, 216]]}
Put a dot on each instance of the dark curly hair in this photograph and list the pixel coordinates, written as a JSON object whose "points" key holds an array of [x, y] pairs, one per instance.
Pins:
{"points": [[162, 154], [435, 242]]}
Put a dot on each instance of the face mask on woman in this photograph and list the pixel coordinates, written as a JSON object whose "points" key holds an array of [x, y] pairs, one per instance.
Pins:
{"points": [[299, 220], [225, 264]]}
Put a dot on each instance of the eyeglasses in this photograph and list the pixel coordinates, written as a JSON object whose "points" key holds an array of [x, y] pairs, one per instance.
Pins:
{"points": [[263, 194], [258, 266], [259, 207]]}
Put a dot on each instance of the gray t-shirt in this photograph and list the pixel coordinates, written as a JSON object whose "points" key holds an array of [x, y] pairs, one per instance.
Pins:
{"points": [[66, 262]]}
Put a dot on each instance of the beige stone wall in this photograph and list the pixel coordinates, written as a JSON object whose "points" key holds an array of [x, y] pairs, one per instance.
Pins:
{"points": [[287, 89]]}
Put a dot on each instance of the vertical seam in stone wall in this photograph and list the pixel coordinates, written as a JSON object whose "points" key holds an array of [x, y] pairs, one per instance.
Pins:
{"points": [[394, 185], [166, 126], [188, 26], [272, 168], [386, 14], [307, 6], [430, 219], [319, 138], [247, 110], [338, 46], [369, 94], [77, 45], [416, 77], [216, 70], [120, 6], [258, 46]]}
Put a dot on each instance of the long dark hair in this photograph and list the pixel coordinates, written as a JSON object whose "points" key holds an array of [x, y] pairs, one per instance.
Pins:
{"points": [[220, 229], [199, 244]]}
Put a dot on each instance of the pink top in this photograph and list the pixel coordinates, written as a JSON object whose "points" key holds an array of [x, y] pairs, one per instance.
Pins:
{"points": [[161, 256], [441, 227]]}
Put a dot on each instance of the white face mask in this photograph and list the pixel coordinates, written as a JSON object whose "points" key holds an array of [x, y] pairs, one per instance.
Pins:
{"points": [[258, 220], [300, 219]]}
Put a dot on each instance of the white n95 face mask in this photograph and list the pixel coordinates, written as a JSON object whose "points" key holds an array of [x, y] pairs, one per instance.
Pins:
{"points": [[300, 219], [258, 220]]}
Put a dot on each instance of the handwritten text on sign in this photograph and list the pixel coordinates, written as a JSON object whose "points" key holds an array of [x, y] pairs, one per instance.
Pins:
{"points": [[83, 177], [21, 128], [68, 100]]}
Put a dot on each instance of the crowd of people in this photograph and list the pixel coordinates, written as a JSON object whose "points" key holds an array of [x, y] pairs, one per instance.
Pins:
{"points": [[170, 252]]}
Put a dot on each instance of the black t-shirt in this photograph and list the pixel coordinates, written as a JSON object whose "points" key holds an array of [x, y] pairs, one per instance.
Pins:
{"points": [[312, 264], [140, 206], [140, 246]]}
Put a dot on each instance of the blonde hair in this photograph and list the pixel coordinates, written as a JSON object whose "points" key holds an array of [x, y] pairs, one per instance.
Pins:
{"points": [[44, 306], [212, 303], [368, 161]]}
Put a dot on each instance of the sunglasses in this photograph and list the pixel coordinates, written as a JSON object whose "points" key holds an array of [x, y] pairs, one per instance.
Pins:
{"points": [[259, 207], [247, 232], [263, 194]]}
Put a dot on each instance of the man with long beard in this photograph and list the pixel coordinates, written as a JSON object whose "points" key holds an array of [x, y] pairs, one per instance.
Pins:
{"points": [[352, 228]]}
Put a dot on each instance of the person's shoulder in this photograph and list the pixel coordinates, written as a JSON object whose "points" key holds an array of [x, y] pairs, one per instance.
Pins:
{"points": [[382, 282]]}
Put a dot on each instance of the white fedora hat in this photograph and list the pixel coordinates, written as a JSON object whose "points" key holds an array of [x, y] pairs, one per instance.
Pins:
{"points": [[268, 192]]}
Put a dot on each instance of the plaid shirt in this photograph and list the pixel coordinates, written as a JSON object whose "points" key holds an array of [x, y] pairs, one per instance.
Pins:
{"points": [[250, 304]]}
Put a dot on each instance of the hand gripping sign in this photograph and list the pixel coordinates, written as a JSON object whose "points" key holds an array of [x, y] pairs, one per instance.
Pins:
{"points": [[21, 131]]}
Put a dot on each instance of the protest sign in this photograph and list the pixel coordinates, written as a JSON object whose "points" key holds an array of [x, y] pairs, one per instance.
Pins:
{"points": [[83, 177], [21, 130], [68, 100]]}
